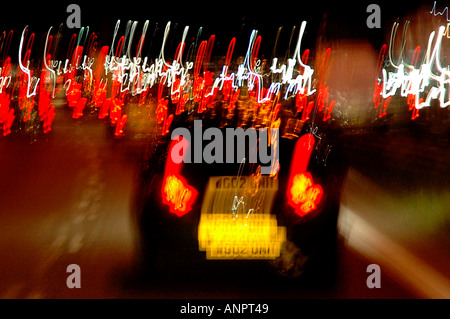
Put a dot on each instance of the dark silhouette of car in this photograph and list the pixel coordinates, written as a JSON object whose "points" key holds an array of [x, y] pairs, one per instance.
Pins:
{"points": [[291, 216]]}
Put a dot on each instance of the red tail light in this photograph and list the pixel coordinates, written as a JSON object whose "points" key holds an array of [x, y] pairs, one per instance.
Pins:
{"points": [[302, 194], [175, 191]]}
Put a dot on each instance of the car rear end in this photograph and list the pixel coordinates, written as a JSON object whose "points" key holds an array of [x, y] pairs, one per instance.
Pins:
{"points": [[226, 220]]}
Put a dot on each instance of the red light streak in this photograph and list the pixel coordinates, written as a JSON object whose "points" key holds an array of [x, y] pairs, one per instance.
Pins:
{"points": [[6, 113], [378, 99], [305, 57], [48, 119], [301, 101], [208, 52], [115, 112], [101, 62], [120, 125], [199, 58], [46, 110], [71, 47], [323, 103], [5, 78], [49, 45], [28, 47], [199, 82], [181, 103], [229, 54], [209, 94], [307, 111], [27, 106], [104, 109], [79, 107], [166, 125], [119, 46], [302, 194], [411, 102], [99, 94], [142, 97], [161, 112], [328, 110], [179, 51], [176, 91], [92, 43], [74, 94], [8, 122], [175, 191], [139, 46], [8, 43], [76, 58], [411, 98], [415, 56], [322, 98], [301, 156]]}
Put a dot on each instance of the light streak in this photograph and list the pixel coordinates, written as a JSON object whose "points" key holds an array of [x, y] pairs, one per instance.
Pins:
{"points": [[436, 13], [7, 45], [130, 41], [92, 44], [120, 125], [79, 107], [247, 72], [26, 70], [116, 30], [175, 191], [52, 72], [302, 194], [6, 113], [430, 79], [237, 201], [141, 40], [208, 51], [106, 79], [5, 75]]}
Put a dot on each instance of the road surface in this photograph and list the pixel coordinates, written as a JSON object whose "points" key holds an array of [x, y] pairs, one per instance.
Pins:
{"points": [[65, 199]]}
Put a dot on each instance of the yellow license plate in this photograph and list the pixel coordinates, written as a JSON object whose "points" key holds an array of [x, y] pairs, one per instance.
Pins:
{"points": [[243, 250], [235, 220]]}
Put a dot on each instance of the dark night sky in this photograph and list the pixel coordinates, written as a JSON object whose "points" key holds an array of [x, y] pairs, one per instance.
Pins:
{"points": [[345, 19]]}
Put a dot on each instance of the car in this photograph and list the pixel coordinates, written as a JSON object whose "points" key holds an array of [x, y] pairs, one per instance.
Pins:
{"points": [[207, 220]]}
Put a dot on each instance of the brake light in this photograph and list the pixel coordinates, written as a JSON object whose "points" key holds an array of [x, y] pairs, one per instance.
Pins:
{"points": [[302, 194], [176, 191], [178, 195]]}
